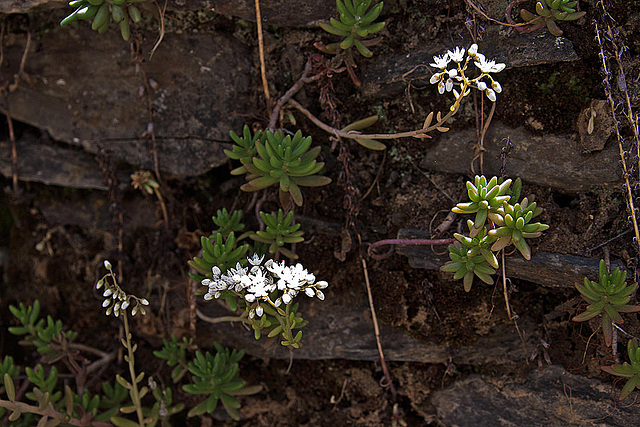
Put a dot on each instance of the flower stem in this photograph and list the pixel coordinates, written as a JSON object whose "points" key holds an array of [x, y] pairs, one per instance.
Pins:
{"points": [[135, 395]]}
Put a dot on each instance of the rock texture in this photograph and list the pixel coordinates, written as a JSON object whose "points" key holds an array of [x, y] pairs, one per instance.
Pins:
{"points": [[544, 268], [549, 160], [548, 397], [389, 75], [83, 89], [340, 330]]}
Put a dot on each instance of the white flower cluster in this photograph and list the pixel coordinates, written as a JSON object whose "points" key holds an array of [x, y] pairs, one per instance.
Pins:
{"points": [[117, 300], [446, 79], [258, 282]]}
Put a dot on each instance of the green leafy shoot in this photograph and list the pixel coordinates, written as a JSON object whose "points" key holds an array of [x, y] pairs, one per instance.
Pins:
{"points": [[607, 298], [628, 370], [216, 251], [244, 149], [279, 231], [102, 13], [228, 223], [551, 11], [175, 353], [472, 256], [514, 225], [486, 198], [218, 378], [356, 24], [287, 162]]}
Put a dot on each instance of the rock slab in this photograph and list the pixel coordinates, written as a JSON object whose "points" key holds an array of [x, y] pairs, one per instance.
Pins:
{"points": [[548, 397]]}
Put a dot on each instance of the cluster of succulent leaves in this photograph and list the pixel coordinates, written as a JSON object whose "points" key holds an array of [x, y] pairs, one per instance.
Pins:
{"points": [[218, 377], [279, 229], [356, 23], [271, 158], [52, 340], [221, 248], [552, 11], [49, 337], [607, 298], [103, 12], [629, 369], [499, 222]]}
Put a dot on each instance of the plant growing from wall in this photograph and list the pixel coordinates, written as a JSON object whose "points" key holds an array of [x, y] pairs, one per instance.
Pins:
{"points": [[263, 295], [279, 160], [102, 13], [550, 11], [279, 230], [629, 369], [499, 222], [607, 298]]}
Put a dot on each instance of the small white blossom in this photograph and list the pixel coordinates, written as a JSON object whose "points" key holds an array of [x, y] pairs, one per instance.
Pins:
{"points": [[491, 94], [440, 61], [106, 303], [482, 86], [448, 85], [143, 301], [320, 295], [496, 86], [457, 55], [473, 49], [259, 311], [107, 265], [489, 66], [107, 292], [255, 259], [441, 87]]}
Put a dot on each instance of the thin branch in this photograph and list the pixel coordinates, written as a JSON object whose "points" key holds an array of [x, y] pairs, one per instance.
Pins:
{"points": [[263, 72], [304, 78], [49, 412], [161, 13], [408, 242], [221, 319], [386, 379]]}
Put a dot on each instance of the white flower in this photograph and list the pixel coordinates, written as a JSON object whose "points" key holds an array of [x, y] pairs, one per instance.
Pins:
{"points": [[107, 265], [320, 295], [255, 259], [491, 94], [457, 55], [482, 86], [489, 66], [250, 297], [473, 49], [448, 85], [216, 271], [259, 311], [441, 87], [440, 61], [286, 298], [310, 292], [496, 86]]}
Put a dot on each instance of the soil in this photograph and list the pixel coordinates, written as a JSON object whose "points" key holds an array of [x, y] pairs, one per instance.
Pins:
{"points": [[55, 238]]}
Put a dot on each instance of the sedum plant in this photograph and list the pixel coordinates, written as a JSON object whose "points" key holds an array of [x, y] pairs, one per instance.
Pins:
{"points": [[285, 161], [244, 149], [499, 222], [218, 377], [218, 252], [629, 369], [514, 226], [264, 294], [356, 23], [607, 298], [551, 11], [103, 12], [175, 353], [280, 229]]}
